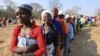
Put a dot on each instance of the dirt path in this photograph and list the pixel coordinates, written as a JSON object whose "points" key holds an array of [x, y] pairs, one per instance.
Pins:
{"points": [[87, 43]]}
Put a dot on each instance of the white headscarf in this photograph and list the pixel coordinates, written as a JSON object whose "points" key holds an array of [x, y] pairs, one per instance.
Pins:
{"points": [[60, 12], [67, 16], [45, 11]]}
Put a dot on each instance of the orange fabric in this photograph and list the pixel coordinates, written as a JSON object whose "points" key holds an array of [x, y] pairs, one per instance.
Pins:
{"points": [[71, 20], [63, 25]]}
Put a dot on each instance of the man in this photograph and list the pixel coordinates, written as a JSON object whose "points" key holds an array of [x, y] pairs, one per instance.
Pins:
{"points": [[82, 21], [69, 37], [27, 39], [63, 30], [58, 28], [64, 27]]}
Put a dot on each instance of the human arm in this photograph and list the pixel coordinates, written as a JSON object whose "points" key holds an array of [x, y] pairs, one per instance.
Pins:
{"points": [[41, 43]]}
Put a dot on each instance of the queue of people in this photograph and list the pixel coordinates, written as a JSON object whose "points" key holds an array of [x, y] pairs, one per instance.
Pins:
{"points": [[4, 21], [52, 38]]}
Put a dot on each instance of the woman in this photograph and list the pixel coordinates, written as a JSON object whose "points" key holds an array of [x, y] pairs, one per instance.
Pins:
{"points": [[50, 34], [70, 29], [70, 36], [28, 39]]}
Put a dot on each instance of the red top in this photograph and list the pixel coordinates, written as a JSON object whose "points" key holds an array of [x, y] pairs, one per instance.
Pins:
{"points": [[36, 32]]}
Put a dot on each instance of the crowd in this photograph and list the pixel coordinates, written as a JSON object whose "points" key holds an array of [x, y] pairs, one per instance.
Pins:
{"points": [[4, 21], [52, 38]]}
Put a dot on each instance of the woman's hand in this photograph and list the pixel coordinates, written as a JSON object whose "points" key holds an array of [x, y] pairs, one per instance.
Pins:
{"points": [[20, 49], [32, 48], [28, 54]]}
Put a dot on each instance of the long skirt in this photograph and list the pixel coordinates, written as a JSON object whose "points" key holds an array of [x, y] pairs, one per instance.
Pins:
{"points": [[49, 50]]}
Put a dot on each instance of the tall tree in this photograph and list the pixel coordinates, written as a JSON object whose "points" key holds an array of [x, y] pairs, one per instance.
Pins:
{"points": [[8, 8], [97, 12], [37, 10], [73, 11], [10, 3], [36, 7], [55, 3]]}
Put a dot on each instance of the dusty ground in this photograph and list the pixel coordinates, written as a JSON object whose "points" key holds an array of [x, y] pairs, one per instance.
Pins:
{"points": [[87, 43]]}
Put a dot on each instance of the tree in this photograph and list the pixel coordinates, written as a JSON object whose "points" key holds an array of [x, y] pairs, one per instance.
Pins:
{"points": [[1, 7], [9, 3], [10, 11], [55, 3], [73, 11], [36, 7], [97, 12], [8, 8], [37, 10]]}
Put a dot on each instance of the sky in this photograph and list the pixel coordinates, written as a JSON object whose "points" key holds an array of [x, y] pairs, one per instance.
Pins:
{"points": [[88, 7]]}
